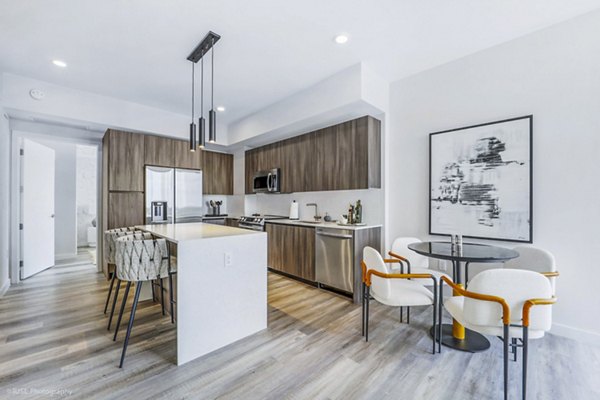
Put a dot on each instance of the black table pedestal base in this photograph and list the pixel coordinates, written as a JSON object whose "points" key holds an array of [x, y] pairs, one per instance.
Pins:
{"points": [[473, 342]]}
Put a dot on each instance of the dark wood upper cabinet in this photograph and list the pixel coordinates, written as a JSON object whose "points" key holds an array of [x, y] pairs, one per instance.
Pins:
{"points": [[184, 158], [217, 173], [126, 161], [125, 209], [250, 167], [340, 157], [324, 159], [297, 172], [159, 151]]}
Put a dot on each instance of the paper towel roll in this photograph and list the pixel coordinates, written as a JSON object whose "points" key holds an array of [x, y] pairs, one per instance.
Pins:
{"points": [[294, 210]]}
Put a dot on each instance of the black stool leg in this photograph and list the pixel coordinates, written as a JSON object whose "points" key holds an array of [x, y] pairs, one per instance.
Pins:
{"points": [[162, 295], [122, 309], [138, 289], [112, 310], [110, 288], [171, 297], [506, 338]]}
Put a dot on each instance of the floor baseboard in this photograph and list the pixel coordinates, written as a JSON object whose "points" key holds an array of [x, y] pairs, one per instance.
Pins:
{"points": [[580, 335]]}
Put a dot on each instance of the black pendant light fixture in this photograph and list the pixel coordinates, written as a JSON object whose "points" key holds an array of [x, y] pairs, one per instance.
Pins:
{"points": [[198, 54], [212, 115], [193, 125], [201, 121]]}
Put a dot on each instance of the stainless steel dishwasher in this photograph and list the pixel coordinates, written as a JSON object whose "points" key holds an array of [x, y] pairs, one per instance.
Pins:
{"points": [[335, 258]]}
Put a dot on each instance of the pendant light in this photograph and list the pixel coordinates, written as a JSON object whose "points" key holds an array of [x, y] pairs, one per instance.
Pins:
{"points": [[198, 55], [193, 125], [212, 114], [201, 120]]}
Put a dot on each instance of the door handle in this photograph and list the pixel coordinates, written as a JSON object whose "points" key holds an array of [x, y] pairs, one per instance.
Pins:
{"points": [[334, 235], [269, 182]]}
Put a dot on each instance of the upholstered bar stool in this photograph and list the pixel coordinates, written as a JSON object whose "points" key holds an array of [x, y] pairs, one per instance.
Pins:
{"points": [[139, 261], [109, 255], [110, 237]]}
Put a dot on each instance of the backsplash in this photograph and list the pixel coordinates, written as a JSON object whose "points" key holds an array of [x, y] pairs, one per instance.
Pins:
{"points": [[333, 202]]}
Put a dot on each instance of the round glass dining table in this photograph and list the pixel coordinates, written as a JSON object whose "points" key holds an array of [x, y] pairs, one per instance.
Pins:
{"points": [[455, 335]]}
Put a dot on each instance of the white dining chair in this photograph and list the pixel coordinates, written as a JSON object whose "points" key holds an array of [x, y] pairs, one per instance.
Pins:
{"points": [[393, 289], [499, 302], [415, 263], [535, 259]]}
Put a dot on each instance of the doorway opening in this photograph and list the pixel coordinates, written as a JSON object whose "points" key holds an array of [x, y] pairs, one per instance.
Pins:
{"points": [[58, 204]]}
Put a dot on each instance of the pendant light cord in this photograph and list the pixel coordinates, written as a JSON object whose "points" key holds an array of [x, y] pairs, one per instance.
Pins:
{"points": [[212, 76], [193, 84], [202, 86]]}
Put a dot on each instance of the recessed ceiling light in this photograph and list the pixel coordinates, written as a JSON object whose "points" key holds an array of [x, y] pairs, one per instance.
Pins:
{"points": [[341, 39], [59, 63], [220, 108]]}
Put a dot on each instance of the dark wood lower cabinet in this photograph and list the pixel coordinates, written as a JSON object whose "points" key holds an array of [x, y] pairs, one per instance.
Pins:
{"points": [[233, 222], [291, 249]]}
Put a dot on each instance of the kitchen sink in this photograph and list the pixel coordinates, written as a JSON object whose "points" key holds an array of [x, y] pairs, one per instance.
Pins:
{"points": [[304, 221]]}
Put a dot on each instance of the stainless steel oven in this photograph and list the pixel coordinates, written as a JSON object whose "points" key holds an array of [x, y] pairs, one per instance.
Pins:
{"points": [[267, 181]]}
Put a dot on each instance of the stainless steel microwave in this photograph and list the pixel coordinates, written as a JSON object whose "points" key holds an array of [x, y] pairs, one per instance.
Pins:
{"points": [[267, 181]]}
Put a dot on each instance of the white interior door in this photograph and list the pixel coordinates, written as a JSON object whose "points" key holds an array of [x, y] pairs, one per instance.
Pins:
{"points": [[37, 208]]}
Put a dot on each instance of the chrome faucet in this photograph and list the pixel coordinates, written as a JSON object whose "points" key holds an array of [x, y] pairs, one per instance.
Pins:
{"points": [[317, 216]]}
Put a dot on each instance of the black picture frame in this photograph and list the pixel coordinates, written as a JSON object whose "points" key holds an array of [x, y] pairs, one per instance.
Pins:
{"points": [[461, 193]]}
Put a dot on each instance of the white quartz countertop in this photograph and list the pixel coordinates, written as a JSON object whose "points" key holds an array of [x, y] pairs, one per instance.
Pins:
{"points": [[194, 231], [332, 225]]}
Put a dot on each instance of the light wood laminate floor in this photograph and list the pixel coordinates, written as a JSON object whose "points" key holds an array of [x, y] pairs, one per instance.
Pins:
{"points": [[54, 343]]}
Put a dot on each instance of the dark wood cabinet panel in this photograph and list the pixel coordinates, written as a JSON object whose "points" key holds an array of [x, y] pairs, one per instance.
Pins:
{"points": [[233, 222], [297, 170], [269, 157], [291, 249], [159, 151], [340, 157], [217, 173], [125, 209], [184, 158], [324, 158], [374, 153], [250, 167], [126, 161]]}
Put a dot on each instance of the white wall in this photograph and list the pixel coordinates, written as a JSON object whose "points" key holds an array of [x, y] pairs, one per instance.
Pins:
{"points": [[86, 189], [333, 202], [552, 74], [351, 93], [4, 200], [86, 108]]}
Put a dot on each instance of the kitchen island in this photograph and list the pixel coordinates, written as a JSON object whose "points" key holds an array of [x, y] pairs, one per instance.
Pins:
{"points": [[221, 285]]}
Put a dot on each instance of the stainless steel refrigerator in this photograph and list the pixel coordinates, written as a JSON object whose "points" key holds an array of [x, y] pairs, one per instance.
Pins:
{"points": [[173, 195]]}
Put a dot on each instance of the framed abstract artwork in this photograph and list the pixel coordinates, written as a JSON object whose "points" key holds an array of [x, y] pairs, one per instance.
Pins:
{"points": [[480, 181]]}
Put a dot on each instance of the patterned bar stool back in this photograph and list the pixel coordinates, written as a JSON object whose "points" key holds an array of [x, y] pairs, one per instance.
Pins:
{"points": [[141, 260], [109, 242]]}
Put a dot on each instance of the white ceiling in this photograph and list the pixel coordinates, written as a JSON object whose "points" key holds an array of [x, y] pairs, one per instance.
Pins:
{"points": [[136, 50]]}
